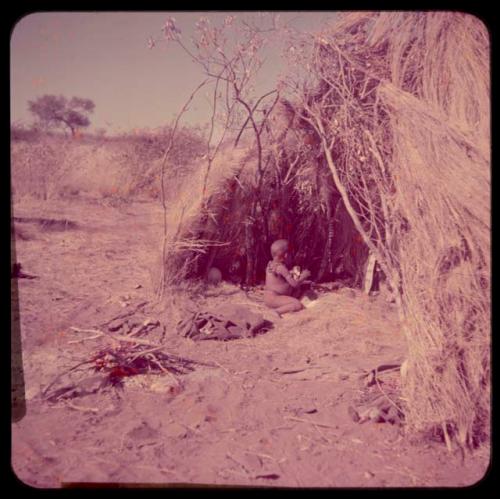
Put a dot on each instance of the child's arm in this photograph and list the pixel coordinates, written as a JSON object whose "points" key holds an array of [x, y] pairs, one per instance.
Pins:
{"points": [[285, 273], [303, 276]]}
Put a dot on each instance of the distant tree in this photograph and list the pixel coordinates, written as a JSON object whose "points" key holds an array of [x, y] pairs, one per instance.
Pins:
{"points": [[54, 110]]}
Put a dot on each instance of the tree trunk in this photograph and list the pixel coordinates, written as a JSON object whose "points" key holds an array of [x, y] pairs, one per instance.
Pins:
{"points": [[72, 128]]}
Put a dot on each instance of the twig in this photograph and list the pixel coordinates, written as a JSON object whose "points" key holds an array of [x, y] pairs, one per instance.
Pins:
{"points": [[321, 434], [133, 331], [166, 371], [86, 339], [136, 341], [157, 348], [264, 456], [385, 394], [79, 330], [155, 361], [144, 352], [80, 408], [281, 428], [301, 420], [125, 314], [222, 367], [237, 462], [446, 437]]}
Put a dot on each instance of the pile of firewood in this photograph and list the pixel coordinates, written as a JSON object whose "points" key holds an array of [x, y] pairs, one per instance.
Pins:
{"points": [[128, 355]]}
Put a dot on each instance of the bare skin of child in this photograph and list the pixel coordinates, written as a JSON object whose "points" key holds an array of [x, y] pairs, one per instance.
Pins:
{"points": [[280, 284]]}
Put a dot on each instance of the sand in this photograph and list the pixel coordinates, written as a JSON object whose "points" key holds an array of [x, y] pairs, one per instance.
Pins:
{"points": [[272, 413]]}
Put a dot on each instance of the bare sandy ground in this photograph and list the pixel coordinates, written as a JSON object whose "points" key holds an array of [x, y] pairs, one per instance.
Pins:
{"points": [[272, 413]]}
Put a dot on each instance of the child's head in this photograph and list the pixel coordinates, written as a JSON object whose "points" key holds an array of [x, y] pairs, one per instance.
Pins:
{"points": [[279, 249]]}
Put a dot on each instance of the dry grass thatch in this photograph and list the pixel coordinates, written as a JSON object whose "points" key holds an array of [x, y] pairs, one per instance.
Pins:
{"points": [[193, 220], [400, 103]]}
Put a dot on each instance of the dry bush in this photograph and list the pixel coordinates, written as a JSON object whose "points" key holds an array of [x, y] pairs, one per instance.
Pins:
{"points": [[20, 132], [400, 105], [113, 167], [37, 166]]}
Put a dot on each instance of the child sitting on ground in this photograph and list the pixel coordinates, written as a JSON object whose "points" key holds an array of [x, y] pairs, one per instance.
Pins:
{"points": [[280, 284]]}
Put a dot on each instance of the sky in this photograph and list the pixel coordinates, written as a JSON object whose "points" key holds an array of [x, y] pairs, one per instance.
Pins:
{"points": [[104, 56]]}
